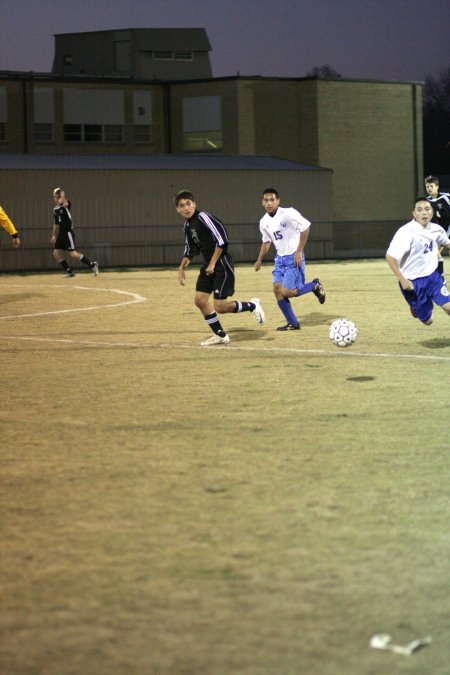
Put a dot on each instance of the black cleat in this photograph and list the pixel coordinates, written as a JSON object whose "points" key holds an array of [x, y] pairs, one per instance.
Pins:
{"points": [[289, 326], [319, 291]]}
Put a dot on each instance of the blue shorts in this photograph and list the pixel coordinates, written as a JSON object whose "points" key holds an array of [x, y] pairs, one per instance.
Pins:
{"points": [[426, 291], [287, 273]]}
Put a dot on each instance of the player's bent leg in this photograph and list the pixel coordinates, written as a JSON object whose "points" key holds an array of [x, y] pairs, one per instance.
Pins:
{"points": [[224, 306], [277, 290], [202, 301], [289, 292], [446, 307], [58, 254]]}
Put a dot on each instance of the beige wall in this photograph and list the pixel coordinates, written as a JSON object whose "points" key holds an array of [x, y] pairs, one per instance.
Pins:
{"points": [[127, 217], [368, 136], [15, 137], [368, 133]]}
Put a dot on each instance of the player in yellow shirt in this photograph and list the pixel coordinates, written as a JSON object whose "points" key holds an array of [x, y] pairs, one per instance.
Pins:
{"points": [[7, 225]]}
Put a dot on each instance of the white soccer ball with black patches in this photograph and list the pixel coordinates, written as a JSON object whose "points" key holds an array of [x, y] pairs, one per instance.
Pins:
{"points": [[343, 332]]}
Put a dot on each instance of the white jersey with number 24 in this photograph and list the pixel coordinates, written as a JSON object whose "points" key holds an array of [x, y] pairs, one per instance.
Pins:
{"points": [[416, 248]]}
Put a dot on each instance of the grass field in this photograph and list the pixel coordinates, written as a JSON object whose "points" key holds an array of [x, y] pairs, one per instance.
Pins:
{"points": [[260, 508]]}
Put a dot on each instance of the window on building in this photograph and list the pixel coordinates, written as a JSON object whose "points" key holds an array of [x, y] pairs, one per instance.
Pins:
{"points": [[173, 56], [43, 133], [184, 56], [93, 133], [142, 134], [113, 133], [73, 133], [163, 56], [202, 124], [93, 115], [43, 114], [142, 116]]}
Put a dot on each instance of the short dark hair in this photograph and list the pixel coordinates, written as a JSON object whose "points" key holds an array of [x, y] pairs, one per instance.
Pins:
{"points": [[422, 199], [183, 194], [432, 179], [271, 191]]}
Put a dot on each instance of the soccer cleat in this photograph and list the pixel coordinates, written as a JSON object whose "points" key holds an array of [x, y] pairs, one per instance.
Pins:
{"points": [[69, 273], [319, 291], [215, 340], [94, 268], [289, 326], [258, 312]]}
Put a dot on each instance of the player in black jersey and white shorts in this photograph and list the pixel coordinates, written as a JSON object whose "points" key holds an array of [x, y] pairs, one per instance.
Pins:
{"points": [[63, 236], [207, 235]]}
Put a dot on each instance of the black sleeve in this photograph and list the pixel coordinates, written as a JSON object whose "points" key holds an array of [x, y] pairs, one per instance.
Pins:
{"points": [[190, 247]]}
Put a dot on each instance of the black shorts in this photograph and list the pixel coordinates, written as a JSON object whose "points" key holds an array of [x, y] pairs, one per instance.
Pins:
{"points": [[65, 241], [221, 283]]}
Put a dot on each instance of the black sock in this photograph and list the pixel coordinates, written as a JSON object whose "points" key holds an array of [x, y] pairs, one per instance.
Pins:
{"points": [[244, 306], [213, 322], [64, 264], [85, 260]]}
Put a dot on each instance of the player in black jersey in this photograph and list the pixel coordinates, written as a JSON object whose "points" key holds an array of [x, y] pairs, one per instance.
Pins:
{"points": [[207, 235], [63, 236], [440, 202]]}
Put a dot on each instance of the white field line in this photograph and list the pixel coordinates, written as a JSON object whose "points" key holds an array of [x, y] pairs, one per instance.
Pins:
{"points": [[135, 299], [344, 352]]}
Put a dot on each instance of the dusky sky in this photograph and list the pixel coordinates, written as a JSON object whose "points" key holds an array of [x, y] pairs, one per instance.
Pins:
{"points": [[369, 39]]}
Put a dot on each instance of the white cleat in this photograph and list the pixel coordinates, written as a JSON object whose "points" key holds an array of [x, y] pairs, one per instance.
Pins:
{"points": [[215, 340], [258, 312], [94, 268]]}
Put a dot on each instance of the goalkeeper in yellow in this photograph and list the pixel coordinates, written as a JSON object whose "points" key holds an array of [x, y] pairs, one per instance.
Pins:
{"points": [[7, 225]]}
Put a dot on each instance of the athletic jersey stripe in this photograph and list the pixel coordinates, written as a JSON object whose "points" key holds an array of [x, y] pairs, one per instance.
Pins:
{"points": [[215, 227], [225, 276]]}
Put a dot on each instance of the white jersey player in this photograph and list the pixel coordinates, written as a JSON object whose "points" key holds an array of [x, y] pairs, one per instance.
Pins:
{"points": [[413, 257], [288, 231], [283, 229]]}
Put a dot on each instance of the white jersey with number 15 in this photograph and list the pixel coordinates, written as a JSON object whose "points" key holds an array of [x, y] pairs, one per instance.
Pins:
{"points": [[283, 229]]}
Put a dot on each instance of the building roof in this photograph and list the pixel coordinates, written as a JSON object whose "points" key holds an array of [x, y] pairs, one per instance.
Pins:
{"points": [[192, 39], [155, 162], [21, 75]]}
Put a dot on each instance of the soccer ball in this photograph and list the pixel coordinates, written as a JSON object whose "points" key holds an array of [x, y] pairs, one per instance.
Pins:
{"points": [[343, 332]]}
